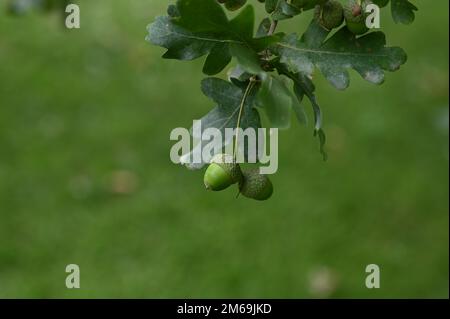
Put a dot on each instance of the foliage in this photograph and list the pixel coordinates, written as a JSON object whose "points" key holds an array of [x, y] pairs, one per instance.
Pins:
{"points": [[78, 106], [268, 61]]}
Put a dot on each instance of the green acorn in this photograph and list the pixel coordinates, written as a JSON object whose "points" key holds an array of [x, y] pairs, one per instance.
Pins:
{"points": [[355, 16], [222, 172], [330, 15], [256, 185]]}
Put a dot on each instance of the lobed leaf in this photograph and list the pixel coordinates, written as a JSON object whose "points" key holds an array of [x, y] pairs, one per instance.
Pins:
{"points": [[228, 98], [286, 9], [276, 100], [195, 28], [403, 11], [303, 86], [368, 55]]}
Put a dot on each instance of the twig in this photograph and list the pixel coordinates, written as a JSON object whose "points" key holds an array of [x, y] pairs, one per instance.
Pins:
{"points": [[241, 111], [272, 28]]}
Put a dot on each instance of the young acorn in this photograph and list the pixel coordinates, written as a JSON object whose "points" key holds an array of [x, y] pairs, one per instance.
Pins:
{"points": [[355, 16], [255, 185], [330, 15], [222, 172]]}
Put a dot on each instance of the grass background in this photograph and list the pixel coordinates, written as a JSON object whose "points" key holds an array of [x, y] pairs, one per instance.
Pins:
{"points": [[85, 175]]}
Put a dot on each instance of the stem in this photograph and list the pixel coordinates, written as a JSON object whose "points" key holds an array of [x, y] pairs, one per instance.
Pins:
{"points": [[273, 26], [241, 111], [250, 85]]}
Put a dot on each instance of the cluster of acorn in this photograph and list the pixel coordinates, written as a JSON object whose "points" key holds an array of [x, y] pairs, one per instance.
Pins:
{"points": [[223, 171], [331, 14]]}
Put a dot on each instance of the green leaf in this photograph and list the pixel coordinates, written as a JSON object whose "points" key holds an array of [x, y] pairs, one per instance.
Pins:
{"points": [[263, 28], [286, 9], [368, 55], [403, 11], [299, 110], [195, 28], [180, 43], [276, 100], [314, 35], [218, 59], [201, 15], [307, 4], [322, 142], [247, 58], [238, 73], [228, 98], [243, 23], [271, 5], [304, 86]]}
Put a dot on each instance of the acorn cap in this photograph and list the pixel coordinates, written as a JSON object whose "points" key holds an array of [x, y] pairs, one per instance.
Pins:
{"points": [[353, 11], [355, 15], [227, 162]]}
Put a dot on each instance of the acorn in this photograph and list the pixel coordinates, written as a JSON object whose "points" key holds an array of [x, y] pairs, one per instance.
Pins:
{"points": [[256, 185], [330, 15], [222, 172], [355, 16]]}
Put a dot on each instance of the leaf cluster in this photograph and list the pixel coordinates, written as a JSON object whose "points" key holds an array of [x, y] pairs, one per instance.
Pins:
{"points": [[278, 67]]}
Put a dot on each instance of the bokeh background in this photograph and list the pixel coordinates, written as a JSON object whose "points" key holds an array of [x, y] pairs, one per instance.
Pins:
{"points": [[85, 175]]}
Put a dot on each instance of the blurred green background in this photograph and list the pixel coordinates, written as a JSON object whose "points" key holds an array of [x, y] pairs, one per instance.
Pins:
{"points": [[85, 175]]}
